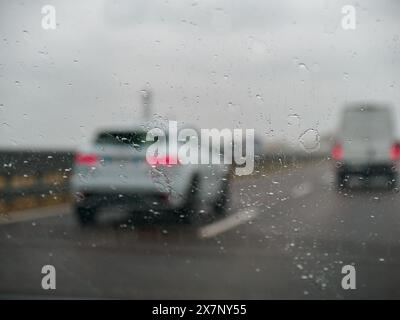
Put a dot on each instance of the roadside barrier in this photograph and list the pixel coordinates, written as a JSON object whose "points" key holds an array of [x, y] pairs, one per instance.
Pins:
{"points": [[30, 179]]}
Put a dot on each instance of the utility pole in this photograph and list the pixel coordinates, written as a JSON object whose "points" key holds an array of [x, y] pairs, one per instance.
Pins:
{"points": [[147, 103]]}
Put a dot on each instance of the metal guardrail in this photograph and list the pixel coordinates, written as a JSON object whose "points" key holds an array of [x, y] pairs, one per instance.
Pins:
{"points": [[33, 178]]}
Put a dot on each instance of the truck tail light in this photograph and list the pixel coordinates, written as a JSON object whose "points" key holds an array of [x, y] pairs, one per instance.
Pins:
{"points": [[337, 152], [395, 151]]}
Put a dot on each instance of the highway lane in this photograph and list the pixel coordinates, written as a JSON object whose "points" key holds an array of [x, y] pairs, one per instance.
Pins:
{"points": [[287, 235]]}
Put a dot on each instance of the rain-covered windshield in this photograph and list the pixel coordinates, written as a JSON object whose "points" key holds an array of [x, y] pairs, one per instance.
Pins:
{"points": [[287, 188]]}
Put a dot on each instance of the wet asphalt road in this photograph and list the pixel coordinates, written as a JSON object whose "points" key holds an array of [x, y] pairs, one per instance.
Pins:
{"points": [[287, 235]]}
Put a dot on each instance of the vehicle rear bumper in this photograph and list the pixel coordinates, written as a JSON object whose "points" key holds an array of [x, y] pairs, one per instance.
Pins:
{"points": [[368, 169], [136, 201]]}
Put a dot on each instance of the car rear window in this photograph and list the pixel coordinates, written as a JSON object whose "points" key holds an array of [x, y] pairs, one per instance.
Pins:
{"points": [[134, 139]]}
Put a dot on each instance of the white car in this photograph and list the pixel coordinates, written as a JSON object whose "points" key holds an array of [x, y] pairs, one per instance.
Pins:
{"points": [[113, 170], [366, 147]]}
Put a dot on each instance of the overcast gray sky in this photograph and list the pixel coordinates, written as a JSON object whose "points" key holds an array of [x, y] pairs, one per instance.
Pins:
{"points": [[235, 64]]}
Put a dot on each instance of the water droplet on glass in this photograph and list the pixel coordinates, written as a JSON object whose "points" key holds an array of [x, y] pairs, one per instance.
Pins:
{"points": [[310, 140], [259, 98], [293, 119], [303, 66]]}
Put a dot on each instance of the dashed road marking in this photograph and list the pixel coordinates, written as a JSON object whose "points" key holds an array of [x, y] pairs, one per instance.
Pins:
{"points": [[227, 223]]}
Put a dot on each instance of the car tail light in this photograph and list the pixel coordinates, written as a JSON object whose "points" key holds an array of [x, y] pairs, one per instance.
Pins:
{"points": [[395, 152], [86, 159], [337, 152], [163, 160]]}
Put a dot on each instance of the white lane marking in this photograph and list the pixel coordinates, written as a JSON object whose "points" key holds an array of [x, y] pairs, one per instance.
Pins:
{"points": [[228, 223], [302, 190], [35, 214]]}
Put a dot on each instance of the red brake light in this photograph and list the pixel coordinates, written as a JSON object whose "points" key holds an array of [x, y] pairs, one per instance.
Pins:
{"points": [[163, 160], [86, 159], [395, 152], [337, 152]]}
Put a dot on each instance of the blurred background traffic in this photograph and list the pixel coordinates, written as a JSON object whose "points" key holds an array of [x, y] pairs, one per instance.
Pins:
{"points": [[317, 81]]}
